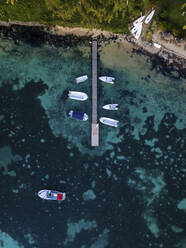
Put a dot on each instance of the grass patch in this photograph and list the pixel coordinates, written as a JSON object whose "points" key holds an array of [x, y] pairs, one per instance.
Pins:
{"points": [[111, 15]]}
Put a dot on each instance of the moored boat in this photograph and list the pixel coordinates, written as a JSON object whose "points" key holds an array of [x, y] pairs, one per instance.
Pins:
{"points": [[76, 95], [51, 195], [139, 20], [107, 79], [81, 79], [136, 27], [111, 107], [138, 33], [78, 115], [157, 45], [149, 17], [109, 121]]}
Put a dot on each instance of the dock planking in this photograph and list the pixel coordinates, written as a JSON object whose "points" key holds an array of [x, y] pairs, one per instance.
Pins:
{"points": [[95, 125]]}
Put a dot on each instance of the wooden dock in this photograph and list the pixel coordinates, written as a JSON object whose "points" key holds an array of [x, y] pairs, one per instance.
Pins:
{"points": [[95, 125]]}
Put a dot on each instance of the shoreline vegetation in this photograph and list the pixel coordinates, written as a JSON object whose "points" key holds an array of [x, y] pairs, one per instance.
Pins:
{"points": [[172, 53], [103, 20], [110, 15]]}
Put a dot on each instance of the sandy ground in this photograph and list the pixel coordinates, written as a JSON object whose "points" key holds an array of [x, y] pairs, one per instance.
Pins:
{"points": [[81, 32], [169, 44]]}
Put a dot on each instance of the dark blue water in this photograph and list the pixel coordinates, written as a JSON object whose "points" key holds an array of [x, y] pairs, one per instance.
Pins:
{"points": [[127, 193]]}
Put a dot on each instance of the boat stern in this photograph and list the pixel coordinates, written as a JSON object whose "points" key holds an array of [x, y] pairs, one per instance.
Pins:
{"points": [[61, 196]]}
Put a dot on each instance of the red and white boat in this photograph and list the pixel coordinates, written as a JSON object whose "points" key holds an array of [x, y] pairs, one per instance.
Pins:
{"points": [[51, 195]]}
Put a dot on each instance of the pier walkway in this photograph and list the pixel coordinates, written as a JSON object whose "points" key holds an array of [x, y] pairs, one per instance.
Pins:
{"points": [[95, 125]]}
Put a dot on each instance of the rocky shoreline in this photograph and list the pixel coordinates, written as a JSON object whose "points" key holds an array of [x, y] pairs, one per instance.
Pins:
{"points": [[37, 34]]}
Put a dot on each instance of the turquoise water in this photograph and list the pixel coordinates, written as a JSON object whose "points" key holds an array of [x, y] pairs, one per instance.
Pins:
{"points": [[129, 192]]}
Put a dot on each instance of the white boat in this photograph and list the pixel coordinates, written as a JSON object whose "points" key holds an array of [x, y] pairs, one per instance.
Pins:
{"points": [[78, 115], [81, 79], [138, 33], [107, 79], [76, 95], [149, 17], [111, 107], [51, 195], [136, 27], [157, 45], [109, 121], [139, 20]]}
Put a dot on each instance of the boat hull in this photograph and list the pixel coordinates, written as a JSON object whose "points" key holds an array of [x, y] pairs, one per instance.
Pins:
{"points": [[76, 95], [81, 79], [51, 195], [138, 33], [111, 107], [78, 116], [106, 79], [109, 121], [136, 28], [149, 17]]}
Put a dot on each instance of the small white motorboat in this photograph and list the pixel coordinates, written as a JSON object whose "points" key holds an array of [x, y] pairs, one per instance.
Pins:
{"points": [[107, 79], [51, 195], [81, 79], [157, 45], [109, 121], [78, 115], [138, 33], [76, 95], [111, 107], [139, 20], [149, 17], [136, 27]]}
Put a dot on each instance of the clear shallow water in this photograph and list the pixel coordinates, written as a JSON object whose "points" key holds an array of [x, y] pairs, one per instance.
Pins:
{"points": [[129, 192]]}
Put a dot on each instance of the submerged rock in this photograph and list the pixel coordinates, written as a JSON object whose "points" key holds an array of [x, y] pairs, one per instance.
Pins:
{"points": [[89, 195]]}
